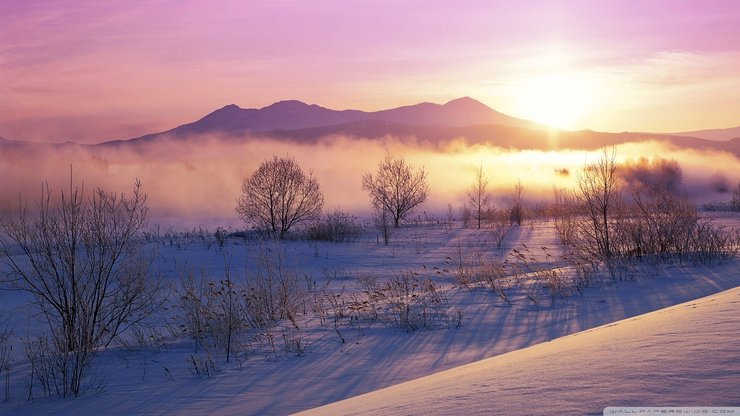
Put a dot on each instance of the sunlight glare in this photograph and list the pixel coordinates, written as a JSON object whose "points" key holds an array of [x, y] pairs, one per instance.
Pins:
{"points": [[559, 99]]}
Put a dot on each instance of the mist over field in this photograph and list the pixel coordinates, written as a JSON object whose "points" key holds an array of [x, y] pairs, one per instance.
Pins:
{"points": [[201, 176]]}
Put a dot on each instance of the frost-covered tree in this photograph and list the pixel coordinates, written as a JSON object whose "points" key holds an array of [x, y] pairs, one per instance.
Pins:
{"points": [[396, 188], [280, 195], [77, 258]]}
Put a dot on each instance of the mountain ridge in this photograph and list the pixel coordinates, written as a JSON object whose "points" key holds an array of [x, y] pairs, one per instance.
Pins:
{"points": [[712, 134], [295, 115]]}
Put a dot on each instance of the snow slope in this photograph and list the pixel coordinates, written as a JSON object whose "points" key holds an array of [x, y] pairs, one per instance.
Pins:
{"points": [[685, 355]]}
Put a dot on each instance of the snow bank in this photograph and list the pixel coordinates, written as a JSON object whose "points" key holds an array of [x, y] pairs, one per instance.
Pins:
{"points": [[685, 355]]}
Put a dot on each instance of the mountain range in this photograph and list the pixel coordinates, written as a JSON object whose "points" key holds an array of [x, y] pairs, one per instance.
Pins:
{"points": [[426, 123], [292, 115]]}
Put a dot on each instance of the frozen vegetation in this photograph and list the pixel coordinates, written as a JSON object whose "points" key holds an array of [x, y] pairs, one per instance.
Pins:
{"points": [[354, 317]]}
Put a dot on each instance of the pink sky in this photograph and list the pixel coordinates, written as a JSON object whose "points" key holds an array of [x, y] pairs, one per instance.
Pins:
{"points": [[93, 71]]}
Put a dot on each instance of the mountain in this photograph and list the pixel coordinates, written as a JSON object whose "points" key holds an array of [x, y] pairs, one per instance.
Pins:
{"points": [[295, 115], [426, 123], [7, 143], [460, 112], [713, 134]]}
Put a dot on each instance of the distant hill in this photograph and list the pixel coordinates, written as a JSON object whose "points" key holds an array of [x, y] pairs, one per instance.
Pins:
{"points": [[497, 135], [713, 134]]}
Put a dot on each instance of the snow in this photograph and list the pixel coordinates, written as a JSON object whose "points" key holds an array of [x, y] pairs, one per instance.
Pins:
{"points": [[378, 355], [685, 355]]}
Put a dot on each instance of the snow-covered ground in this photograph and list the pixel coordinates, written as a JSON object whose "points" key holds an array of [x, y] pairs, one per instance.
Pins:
{"points": [[375, 355], [684, 355]]}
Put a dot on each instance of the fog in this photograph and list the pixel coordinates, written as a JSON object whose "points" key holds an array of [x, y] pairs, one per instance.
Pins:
{"points": [[201, 177]]}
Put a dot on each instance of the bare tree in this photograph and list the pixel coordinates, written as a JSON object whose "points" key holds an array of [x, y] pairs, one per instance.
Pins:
{"points": [[79, 262], [478, 195], [396, 188], [516, 214], [598, 195], [279, 195]]}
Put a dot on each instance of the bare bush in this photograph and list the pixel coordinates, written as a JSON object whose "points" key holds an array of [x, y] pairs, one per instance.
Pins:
{"points": [[405, 296], [406, 300], [396, 188], [294, 342], [499, 226], [659, 223], [273, 291], [735, 202], [531, 274], [337, 227], [81, 266], [516, 212], [202, 365], [221, 237], [219, 314], [710, 242], [581, 267], [466, 214], [464, 267], [182, 239], [450, 217], [495, 275], [212, 312], [43, 360], [227, 322], [278, 196], [416, 302], [564, 213], [193, 307], [664, 226]]}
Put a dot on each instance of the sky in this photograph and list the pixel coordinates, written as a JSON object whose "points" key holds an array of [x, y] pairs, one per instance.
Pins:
{"points": [[91, 71]]}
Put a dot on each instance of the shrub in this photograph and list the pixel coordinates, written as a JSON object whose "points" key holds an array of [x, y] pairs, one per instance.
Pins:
{"points": [[337, 227], [273, 291], [212, 312]]}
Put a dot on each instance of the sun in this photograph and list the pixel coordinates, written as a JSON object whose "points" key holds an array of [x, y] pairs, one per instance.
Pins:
{"points": [[560, 100]]}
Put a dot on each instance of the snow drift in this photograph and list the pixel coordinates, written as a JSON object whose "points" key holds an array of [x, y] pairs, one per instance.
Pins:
{"points": [[685, 355]]}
